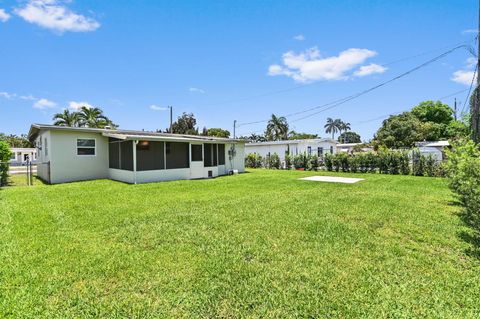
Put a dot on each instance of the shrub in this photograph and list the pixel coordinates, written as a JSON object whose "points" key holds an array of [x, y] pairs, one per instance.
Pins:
{"points": [[300, 161], [463, 172], [371, 162], [354, 163], [336, 163], [418, 163], [404, 163], [5, 155], [328, 162], [288, 161], [253, 160], [274, 161], [431, 165], [312, 163]]}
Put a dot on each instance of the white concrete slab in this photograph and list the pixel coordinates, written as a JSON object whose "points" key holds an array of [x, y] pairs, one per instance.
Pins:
{"points": [[332, 179]]}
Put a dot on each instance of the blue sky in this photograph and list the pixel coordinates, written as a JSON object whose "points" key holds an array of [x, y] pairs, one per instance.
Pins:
{"points": [[227, 60]]}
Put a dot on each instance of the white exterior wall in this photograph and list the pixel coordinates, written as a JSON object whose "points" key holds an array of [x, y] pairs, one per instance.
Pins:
{"points": [[435, 152], [19, 155], [237, 162], [43, 159], [67, 166]]}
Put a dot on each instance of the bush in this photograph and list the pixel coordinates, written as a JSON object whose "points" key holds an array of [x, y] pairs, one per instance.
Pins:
{"points": [[300, 161], [253, 160], [312, 163], [328, 162], [5, 155], [431, 166], [274, 161], [418, 163], [354, 163], [404, 163], [288, 161], [463, 172]]}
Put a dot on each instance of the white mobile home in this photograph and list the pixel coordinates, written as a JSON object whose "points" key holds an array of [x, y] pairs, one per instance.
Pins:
{"points": [[317, 147], [20, 156], [67, 154]]}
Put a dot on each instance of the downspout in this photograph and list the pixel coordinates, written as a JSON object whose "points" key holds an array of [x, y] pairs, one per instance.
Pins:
{"points": [[135, 161]]}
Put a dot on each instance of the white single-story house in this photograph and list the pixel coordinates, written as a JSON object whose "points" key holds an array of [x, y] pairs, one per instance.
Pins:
{"points": [[317, 147], [434, 148], [67, 154], [21, 155]]}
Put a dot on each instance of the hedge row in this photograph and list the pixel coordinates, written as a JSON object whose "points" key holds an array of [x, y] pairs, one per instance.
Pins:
{"points": [[463, 172], [5, 155], [384, 162]]}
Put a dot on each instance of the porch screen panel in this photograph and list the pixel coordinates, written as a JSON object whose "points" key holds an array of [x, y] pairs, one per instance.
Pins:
{"points": [[215, 154], [207, 157], [126, 155], [113, 153], [221, 154], [197, 153], [178, 155], [150, 156]]}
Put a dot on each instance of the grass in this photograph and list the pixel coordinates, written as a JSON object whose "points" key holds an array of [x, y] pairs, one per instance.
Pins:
{"points": [[262, 244]]}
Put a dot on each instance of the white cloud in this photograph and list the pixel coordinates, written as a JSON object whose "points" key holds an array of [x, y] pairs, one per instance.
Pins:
{"points": [[28, 97], [470, 31], [44, 104], [51, 14], [310, 66], [158, 108], [196, 90], [7, 95], [463, 77], [78, 105], [299, 37], [4, 16], [372, 68]]}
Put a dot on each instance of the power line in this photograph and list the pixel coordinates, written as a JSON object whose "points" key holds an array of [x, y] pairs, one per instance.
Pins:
{"points": [[470, 89], [341, 101], [251, 97]]}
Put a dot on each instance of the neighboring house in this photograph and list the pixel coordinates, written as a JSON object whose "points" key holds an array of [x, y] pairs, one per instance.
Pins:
{"points": [[67, 154], [20, 156], [317, 147], [434, 148]]}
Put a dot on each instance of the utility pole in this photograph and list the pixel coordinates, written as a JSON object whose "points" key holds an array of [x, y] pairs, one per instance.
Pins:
{"points": [[234, 128], [455, 110], [171, 118]]}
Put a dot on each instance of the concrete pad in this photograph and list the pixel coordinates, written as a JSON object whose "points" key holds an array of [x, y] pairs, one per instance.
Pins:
{"points": [[332, 179]]}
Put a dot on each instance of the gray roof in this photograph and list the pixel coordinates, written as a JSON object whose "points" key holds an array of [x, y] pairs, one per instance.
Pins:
{"points": [[286, 142], [129, 134]]}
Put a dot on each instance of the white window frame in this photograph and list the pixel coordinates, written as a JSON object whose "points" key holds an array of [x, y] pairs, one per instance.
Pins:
{"points": [[86, 138]]}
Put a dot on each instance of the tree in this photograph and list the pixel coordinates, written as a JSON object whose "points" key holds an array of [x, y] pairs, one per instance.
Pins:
{"points": [[292, 135], [66, 118], [349, 137], [254, 138], [93, 117], [475, 116], [277, 129], [401, 130], [185, 124], [333, 126], [16, 140], [5, 154], [217, 132], [436, 112]]}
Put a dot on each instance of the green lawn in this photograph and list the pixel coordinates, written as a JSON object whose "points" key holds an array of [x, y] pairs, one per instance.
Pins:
{"points": [[262, 244]]}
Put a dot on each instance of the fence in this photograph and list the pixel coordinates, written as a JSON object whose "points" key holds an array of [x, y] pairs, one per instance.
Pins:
{"points": [[28, 171]]}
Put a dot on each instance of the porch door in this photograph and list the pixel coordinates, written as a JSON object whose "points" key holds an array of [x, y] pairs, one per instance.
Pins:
{"points": [[196, 160]]}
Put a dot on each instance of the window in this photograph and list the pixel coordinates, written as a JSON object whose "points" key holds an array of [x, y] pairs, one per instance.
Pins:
{"points": [[309, 149], [197, 153], [14, 156], [46, 146], [331, 149], [320, 151], [85, 146], [221, 154]]}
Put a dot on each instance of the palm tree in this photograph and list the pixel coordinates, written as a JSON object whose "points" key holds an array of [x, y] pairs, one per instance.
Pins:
{"points": [[332, 126], [345, 127], [93, 117], [66, 118], [277, 128]]}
